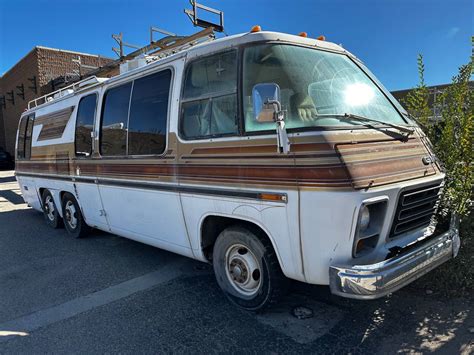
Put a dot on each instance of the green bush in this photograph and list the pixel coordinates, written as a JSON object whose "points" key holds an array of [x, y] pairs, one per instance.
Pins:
{"points": [[451, 136], [452, 140]]}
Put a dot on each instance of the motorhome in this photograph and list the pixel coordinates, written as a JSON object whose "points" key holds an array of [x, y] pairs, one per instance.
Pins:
{"points": [[272, 156]]}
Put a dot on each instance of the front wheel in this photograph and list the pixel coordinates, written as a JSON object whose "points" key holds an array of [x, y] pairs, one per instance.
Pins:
{"points": [[247, 269], [73, 220]]}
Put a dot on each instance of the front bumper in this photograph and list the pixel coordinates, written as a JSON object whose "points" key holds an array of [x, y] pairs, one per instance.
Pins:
{"points": [[377, 280]]}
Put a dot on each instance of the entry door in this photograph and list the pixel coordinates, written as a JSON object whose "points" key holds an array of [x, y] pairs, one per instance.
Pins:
{"points": [[136, 180], [84, 170]]}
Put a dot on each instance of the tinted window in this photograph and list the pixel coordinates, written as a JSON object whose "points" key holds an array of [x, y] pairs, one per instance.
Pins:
{"points": [[85, 125], [28, 134], [209, 98], [21, 137], [148, 114], [114, 121]]}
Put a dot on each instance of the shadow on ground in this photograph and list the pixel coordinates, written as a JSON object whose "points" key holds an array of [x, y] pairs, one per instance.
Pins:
{"points": [[12, 197], [7, 179]]}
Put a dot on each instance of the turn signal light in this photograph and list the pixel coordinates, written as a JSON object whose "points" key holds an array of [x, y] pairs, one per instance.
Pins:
{"points": [[255, 28], [273, 197], [321, 38], [303, 34]]}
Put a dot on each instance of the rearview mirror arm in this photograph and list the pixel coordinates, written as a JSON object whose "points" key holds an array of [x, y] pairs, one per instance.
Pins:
{"points": [[283, 143]]}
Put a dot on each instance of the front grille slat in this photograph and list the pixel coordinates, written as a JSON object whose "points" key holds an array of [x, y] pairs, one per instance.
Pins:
{"points": [[419, 208], [415, 209], [411, 198]]}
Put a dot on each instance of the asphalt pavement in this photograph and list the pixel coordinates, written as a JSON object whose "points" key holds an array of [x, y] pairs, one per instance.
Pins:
{"points": [[106, 294]]}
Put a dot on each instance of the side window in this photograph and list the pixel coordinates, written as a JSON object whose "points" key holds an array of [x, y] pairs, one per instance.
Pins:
{"points": [[28, 136], [113, 129], [85, 125], [20, 154], [209, 102], [148, 114]]}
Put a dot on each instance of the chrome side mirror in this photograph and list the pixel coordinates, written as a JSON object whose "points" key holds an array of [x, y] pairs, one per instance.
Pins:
{"points": [[267, 108], [264, 97]]}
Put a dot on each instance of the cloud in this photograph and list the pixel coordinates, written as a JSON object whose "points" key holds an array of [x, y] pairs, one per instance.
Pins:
{"points": [[452, 32]]}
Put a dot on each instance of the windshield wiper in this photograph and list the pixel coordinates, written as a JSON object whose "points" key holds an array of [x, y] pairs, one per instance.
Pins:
{"points": [[352, 117]]}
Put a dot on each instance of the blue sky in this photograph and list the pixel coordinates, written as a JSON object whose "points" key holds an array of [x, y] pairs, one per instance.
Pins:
{"points": [[386, 34]]}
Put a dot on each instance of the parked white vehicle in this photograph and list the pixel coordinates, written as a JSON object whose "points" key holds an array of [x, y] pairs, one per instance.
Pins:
{"points": [[269, 155]]}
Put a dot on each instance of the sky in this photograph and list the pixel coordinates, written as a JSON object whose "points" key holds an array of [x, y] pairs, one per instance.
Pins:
{"points": [[386, 34]]}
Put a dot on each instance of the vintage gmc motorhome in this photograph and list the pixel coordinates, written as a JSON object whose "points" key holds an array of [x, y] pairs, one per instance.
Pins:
{"points": [[271, 156]]}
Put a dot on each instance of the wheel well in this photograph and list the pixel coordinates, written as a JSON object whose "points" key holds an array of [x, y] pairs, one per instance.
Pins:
{"points": [[212, 226]]}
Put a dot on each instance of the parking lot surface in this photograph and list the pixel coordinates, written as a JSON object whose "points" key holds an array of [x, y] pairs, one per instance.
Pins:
{"points": [[104, 293]]}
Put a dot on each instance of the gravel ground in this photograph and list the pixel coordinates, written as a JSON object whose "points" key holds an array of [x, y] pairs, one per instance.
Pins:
{"points": [[109, 294]]}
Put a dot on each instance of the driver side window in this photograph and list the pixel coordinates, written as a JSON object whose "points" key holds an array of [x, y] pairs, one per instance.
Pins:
{"points": [[209, 101]]}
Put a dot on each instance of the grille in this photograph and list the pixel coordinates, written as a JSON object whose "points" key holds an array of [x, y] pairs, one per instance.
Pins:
{"points": [[415, 209]]}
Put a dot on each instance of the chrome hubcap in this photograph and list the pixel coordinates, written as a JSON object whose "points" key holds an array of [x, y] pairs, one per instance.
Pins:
{"points": [[70, 214], [243, 269], [50, 208]]}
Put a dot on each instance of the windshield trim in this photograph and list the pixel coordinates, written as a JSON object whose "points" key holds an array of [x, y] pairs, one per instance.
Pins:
{"points": [[351, 57]]}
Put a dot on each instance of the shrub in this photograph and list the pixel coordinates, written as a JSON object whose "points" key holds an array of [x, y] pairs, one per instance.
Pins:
{"points": [[451, 136]]}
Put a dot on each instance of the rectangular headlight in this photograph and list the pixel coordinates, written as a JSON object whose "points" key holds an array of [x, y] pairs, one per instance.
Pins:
{"points": [[369, 225]]}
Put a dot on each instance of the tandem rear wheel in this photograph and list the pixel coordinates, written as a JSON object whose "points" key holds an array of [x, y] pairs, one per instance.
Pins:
{"points": [[50, 210], [72, 216], [247, 269]]}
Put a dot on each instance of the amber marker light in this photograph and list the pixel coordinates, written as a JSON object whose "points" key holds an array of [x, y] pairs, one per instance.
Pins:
{"points": [[321, 38], [303, 34], [255, 28], [273, 197]]}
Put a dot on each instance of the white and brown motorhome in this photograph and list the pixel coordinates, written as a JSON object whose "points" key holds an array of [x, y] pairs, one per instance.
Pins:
{"points": [[271, 156]]}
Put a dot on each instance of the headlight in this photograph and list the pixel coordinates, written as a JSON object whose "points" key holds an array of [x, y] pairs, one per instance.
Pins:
{"points": [[364, 218], [369, 225]]}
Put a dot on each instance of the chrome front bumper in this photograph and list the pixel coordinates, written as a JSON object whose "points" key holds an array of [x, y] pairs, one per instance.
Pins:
{"points": [[377, 280]]}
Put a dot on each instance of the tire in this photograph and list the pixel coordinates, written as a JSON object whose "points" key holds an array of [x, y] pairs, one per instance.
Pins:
{"points": [[247, 269], [50, 210], [73, 220]]}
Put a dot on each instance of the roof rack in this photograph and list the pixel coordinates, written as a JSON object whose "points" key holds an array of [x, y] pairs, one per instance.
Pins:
{"points": [[164, 47], [68, 90]]}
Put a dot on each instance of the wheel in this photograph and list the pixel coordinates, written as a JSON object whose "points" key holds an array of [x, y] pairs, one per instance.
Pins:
{"points": [[50, 211], [247, 269], [73, 220]]}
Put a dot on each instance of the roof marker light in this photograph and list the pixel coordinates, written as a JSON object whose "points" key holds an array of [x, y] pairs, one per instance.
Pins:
{"points": [[321, 38], [303, 34], [255, 28]]}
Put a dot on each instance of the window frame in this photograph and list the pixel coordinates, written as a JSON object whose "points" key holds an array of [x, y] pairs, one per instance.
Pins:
{"points": [[28, 118], [102, 109], [29, 139], [168, 113], [93, 125], [210, 96]]}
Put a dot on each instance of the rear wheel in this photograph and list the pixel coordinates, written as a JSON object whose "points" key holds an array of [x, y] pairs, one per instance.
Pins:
{"points": [[247, 269], [50, 211], [73, 220]]}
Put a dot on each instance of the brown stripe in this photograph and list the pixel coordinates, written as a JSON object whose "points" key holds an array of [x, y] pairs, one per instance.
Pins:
{"points": [[54, 123]]}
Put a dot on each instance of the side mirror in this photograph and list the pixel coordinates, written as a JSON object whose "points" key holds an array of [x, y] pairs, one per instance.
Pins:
{"points": [[266, 99], [267, 108]]}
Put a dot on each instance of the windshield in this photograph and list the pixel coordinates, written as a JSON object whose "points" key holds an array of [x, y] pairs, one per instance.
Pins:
{"points": [[313, 82]]}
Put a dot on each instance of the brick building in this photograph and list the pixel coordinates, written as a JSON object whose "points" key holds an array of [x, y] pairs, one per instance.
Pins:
{"points": [[39, 72]]}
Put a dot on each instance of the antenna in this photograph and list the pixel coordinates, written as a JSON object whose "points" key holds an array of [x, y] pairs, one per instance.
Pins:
{"points": [[193, 16]]}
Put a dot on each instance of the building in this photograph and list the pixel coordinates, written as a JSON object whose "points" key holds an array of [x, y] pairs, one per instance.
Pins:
{"points": [[39, 72], [433, 100]]}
